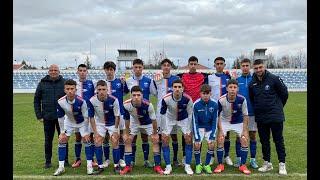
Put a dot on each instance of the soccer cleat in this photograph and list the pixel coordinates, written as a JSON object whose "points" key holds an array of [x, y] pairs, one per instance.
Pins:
{"points": [[99, 171], [211, 161], [207, 169], [89, 170], [167, 170], [105, 163], [158, 169], [228, 160], [243, 168], [253, 163], [94, 163], [122, 163], [199, 168], [282, 169], [47, 165], [125, 170], [147, 164], [176, 163], [76, 163], [116, 170], [188, 170], [219, 168], [59, 171], [266, 166], [238, 162]]}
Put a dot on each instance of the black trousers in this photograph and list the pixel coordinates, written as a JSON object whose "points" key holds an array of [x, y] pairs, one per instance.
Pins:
{"points": [[264, 134], [49, 127]]}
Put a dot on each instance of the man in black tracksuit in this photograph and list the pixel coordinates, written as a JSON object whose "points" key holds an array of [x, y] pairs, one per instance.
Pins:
{"points": [[268, 95], [49, 90]]}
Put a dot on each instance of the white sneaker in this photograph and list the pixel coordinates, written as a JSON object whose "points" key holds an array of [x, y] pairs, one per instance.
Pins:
{"points": [[282, 169], [122, 163], [266, 166], [228, 160], [89, 170], [183, 161], [211, 161], [188, 170], [167, 170], [106, 163], [59, 171]]}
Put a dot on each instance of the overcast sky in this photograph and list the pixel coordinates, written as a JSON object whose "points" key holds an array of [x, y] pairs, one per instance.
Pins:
{"points": [[61, 30]]}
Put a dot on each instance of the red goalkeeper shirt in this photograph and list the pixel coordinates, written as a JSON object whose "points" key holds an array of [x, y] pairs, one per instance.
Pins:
{"points": [[192, 83]]}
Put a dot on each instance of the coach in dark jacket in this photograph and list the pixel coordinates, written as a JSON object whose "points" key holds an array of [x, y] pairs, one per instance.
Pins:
{"points": [[49, 90], [268, 95]]}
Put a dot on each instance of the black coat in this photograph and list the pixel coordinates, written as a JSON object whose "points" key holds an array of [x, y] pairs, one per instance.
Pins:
{"points": [[47, 94], [268, 98]]}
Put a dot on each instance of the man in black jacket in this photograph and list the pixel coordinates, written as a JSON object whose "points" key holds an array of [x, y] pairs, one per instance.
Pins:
{"points": [[268, 95], [49, 90]]}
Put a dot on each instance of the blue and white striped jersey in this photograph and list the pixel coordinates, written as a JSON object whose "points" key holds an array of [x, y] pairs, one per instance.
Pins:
{"points": [[75, 111], [233, 112]]}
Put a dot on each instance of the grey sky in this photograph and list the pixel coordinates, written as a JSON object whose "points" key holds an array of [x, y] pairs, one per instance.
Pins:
{"points": [[61, 31]]}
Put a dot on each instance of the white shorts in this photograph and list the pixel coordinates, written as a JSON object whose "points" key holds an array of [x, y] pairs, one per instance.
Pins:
{"points": [[226, 126], [122, 124], [102, 129], [184, 125], [204, 135], [83, 128], [144, 129], [252, 125], [161, 124]]}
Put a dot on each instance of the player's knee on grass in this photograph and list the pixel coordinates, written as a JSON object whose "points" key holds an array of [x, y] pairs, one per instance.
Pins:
{"points": [[244, 141], [115, 140], [78, 136], [197, 146], [220, 140], [98, 140], [165, 140], [252, 135], [188, 138], [144, 137], [211, 145]]}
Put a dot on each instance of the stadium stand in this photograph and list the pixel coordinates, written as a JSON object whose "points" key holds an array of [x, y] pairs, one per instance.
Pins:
{"points": [[26, 81]]}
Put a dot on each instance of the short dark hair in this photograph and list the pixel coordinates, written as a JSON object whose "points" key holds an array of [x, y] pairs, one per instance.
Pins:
{"points": [[166, 60], [178, 81], [219, 58], [70, 82], [101, 83], [205, 88], [245, 60], [109, 64], [192, 58], [137, 61], [135, 89], [82, 65], [232, 81], [257, 61]]}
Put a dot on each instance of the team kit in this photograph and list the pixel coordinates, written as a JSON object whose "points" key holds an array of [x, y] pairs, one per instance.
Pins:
{"points": [[204, 107]]}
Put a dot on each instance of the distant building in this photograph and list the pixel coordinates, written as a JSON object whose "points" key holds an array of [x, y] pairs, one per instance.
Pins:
{"points": [[260, 54], [125, 58]]}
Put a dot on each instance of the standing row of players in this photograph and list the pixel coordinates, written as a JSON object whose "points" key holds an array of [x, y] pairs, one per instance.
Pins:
{"points": [[184, 101]]}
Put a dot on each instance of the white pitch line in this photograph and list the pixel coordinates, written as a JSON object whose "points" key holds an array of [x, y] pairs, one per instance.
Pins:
{"points": [[154, 176]]}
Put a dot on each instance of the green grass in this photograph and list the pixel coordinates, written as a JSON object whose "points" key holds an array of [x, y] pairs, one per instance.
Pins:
{"points": [[28, 146]]}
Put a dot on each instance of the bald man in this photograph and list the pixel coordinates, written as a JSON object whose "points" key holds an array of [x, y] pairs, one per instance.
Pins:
{"points": [[49, 90]]}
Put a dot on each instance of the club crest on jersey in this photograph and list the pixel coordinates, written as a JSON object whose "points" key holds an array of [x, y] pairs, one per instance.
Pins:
{"points": [[211, 109], [267, 87], [146, 84], [118, 85]]}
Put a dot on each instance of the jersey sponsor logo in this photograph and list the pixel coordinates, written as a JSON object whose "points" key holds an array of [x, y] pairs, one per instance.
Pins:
{"points": [[267, 87], [201, 110], [84, 90], [146, 84]]}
